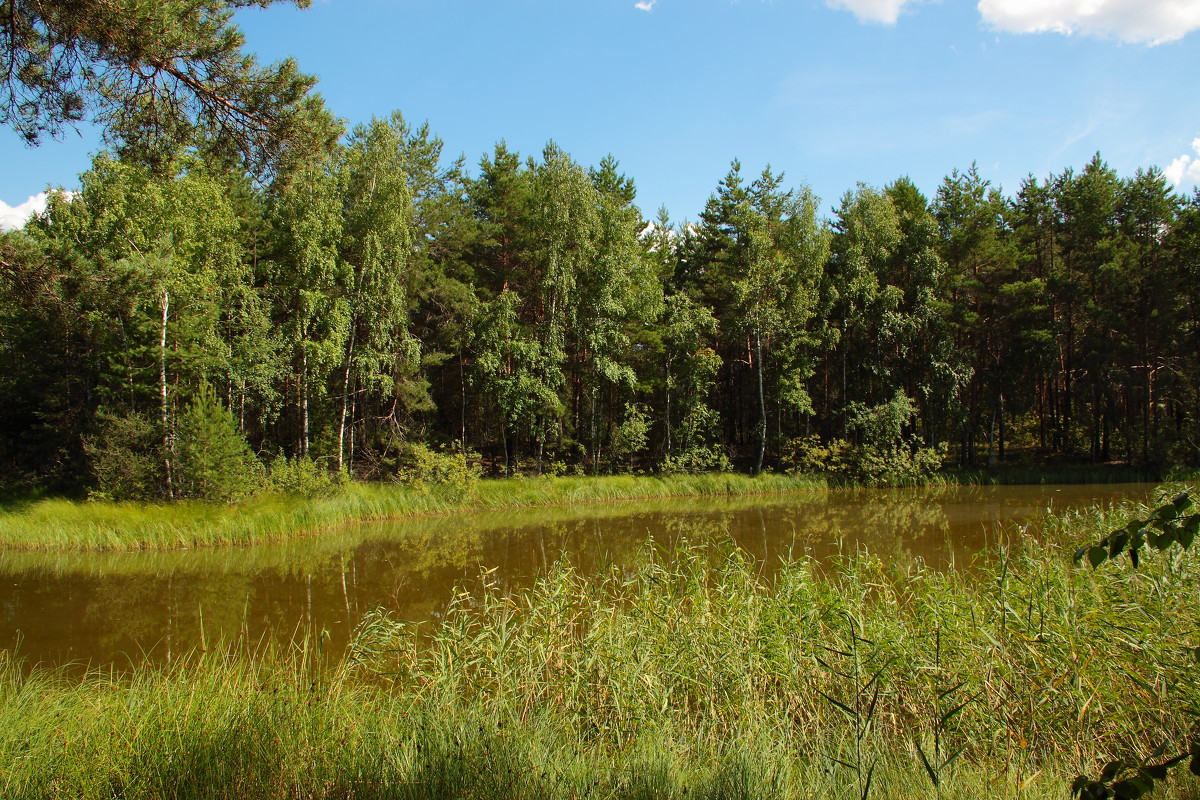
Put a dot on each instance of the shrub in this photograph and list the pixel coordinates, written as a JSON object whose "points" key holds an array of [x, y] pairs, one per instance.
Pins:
{"points": [[213, 461], [696, 460], [125, 457], [630, 437], [451, 470], [300, 476]]}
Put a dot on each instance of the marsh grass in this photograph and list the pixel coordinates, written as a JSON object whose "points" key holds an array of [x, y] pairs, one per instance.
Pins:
{"points": [[108, 526], [1048, 474], [696, 673]]}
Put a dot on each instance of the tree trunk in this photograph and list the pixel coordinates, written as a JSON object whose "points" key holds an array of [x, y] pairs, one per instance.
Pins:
{"points": [[304, 404], [667, 409], [168, 440], [345, 398], [762, 403]]}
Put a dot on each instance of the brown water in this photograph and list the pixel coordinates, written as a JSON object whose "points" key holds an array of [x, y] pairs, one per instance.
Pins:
{"points": [[125, 609]]}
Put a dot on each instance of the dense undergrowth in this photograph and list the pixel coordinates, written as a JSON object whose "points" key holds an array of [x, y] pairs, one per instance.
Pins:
{"points": [[694, 673]]}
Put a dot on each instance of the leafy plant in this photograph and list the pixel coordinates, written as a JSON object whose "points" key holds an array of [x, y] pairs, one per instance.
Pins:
{"points": [[946, 707], [857, 666], [300, 476], [1167, 525], [125, 457], [1130, 780], [451, 470]]}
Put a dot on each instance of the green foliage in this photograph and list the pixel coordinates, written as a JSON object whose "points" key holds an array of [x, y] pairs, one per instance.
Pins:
{"points": [[696, 461], [213, 461], [861, 667], [886, 452], [631, 436], [372, 291], [125, 457], [161, 77], [808, 455], [449, 470], [299, 476], [1167, 525]]}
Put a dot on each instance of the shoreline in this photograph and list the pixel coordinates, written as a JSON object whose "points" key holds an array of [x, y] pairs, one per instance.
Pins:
{"points": [[58, 524], [98, 526]]}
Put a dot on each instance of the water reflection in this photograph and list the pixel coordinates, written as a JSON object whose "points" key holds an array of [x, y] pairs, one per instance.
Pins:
{"points": [[134, 607]]}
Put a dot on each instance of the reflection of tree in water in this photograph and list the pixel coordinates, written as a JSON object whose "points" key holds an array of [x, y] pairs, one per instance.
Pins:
{"points": [[98, 606], [163, 616]]}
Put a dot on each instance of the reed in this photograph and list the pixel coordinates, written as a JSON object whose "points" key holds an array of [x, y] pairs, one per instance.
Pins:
{"points": [[1049, 474], [696, 673], [108, 526]]}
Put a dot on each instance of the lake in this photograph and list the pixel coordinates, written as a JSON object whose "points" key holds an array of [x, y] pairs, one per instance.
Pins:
{"points": [[129, 608]]}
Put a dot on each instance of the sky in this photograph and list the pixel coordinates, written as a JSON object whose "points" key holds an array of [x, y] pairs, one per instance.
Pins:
{"points": [[831, 92]]}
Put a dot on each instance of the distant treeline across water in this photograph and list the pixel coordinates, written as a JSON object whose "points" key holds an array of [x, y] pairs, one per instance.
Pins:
{"points": [[377, 308]]}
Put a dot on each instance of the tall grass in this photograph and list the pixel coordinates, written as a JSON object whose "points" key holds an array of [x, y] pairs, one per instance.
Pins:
{"points": [[1048, 474], [696, 673], [64, 524]]}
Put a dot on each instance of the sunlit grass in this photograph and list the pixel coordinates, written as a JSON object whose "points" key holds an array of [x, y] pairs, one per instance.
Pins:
{"points": [[101, 525], [694, 673]]}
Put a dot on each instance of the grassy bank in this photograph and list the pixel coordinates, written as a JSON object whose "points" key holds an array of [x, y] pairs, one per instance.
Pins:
{"points": [[1049, 474], [696, 674], [65, 524]]}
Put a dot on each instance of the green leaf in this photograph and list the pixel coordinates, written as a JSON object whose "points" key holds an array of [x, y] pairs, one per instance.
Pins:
{"points": [[955, 710], [1186, 536], [1117, 543], [845, 708], [1097, 555], [952, 690], [1194, 764], [928, 769], [1110, 770], [1182, 501], [954, 756], [1157, 772], [870, 777], [1127, 790]]}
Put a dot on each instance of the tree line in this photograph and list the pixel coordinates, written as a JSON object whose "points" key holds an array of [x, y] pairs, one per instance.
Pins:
{"points": [[371, 302]]}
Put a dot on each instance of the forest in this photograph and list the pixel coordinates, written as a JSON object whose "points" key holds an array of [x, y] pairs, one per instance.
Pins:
{"points": [[371, 304]]}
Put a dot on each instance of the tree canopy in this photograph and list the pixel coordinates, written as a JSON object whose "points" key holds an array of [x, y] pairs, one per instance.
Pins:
{"points": [[158, 74], [374, 300]]}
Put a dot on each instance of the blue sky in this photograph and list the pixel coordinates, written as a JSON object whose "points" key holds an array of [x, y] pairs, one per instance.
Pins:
{"points": [[832, 93]]}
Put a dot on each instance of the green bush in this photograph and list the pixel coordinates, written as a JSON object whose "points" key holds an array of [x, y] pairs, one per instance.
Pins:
{"points": [[300, 476], [451, 470], [697, 460], [213, 461], [630, 437], [886, 451], [808, 455], [125, 456]]}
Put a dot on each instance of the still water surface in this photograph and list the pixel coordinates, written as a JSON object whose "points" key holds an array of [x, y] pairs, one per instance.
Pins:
{"points": [[122, 609]]}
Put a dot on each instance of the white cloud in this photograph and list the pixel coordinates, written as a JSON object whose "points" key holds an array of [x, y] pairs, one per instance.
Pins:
{"points": [[1142, 21], [1185, 169], [645, 5], [13, 217], [884, 11]]}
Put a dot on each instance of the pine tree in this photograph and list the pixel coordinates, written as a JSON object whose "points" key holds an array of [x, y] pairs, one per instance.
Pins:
{"points": [[214, 461]]}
